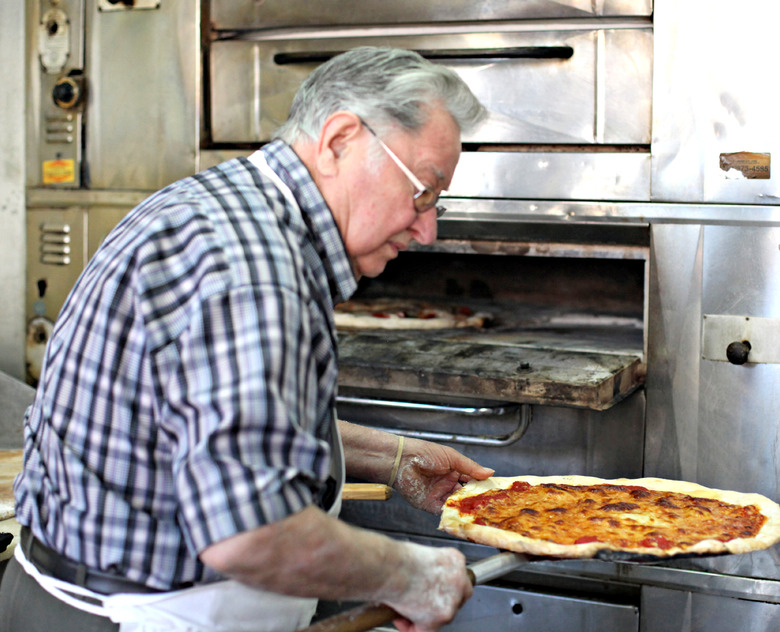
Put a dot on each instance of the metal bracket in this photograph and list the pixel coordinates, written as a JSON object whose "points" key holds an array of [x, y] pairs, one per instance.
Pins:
{"points": [[127, 5], [719, 331], [521, 411]]}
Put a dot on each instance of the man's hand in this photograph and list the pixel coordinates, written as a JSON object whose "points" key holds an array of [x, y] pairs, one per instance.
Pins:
{"points": [[430, 472], [437, 586], [427, 474]]}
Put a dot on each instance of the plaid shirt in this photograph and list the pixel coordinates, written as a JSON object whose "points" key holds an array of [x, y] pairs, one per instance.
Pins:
{"points": [[189, 385]]}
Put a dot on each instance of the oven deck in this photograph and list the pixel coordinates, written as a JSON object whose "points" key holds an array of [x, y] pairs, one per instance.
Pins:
{"points": [[591, 369]]}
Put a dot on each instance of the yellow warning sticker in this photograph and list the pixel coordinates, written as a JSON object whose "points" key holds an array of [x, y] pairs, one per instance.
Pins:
{"points": [[752, 165], [59, 171]]}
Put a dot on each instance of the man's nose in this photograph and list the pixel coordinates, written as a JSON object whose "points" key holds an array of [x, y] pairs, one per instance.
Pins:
{"points": [[424, 227]]}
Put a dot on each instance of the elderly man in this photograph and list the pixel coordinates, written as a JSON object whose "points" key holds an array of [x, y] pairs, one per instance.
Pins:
{"points": [[182, 458]]}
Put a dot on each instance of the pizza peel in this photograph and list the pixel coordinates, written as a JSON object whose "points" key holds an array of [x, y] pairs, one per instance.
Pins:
{"points": [[371, 615]]}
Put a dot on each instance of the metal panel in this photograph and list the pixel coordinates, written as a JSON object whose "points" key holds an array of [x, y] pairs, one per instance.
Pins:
{"points": [[12, 174], [762, 334], [100, 221], [482, 213], [738, 404], [607, 80], [713, 422], [674, 334], [678, 611], [55, 50], [513, 610], [541, 175], [242, 14], [69, 226], [143, 115], [56, 255], [710, 98]]}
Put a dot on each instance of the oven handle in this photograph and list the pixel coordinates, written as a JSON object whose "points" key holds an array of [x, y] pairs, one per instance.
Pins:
{"points": [[522, 411], [515, 52]]}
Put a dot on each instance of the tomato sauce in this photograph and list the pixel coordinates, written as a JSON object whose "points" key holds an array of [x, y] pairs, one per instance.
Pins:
{"points": [[625, 516]]}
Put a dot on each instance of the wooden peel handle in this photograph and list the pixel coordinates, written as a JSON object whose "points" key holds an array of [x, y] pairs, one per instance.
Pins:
{"points": [[358, 619], [362, 618], [366, 491]]}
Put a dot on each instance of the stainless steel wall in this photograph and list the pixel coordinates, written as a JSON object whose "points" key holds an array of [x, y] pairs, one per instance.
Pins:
{"points": [[708, 420], [244, 14], [714, 93], [666, 610], [143, 121], [142, 103], [12, 242]]}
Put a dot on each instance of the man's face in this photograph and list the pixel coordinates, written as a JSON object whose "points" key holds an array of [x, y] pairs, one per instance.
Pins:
{"points": [[382, 219]]}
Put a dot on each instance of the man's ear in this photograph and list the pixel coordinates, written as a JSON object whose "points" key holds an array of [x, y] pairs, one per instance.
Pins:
{"points": [[335, 141]]}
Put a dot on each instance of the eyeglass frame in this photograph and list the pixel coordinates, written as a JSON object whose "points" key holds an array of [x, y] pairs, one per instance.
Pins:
{"points": [[421, 188]]}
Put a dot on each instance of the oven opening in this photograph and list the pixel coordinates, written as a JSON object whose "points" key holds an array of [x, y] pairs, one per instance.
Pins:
{"points": [[563, 327], [523, 294]]}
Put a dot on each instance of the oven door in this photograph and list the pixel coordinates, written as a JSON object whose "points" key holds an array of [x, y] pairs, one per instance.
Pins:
{"points": [[520, 72], [569, 102], [251, 14]]}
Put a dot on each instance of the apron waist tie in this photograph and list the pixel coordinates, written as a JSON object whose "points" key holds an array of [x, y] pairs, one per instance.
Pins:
{"points": [[50, 562], [223, 606]]}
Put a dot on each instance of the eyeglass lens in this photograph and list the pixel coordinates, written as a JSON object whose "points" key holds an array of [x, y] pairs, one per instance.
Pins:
{"points": [[426, 200]]}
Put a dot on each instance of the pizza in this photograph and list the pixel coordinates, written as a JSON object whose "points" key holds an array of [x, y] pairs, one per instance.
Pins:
{"points": [[584, 517], [387, 313]]}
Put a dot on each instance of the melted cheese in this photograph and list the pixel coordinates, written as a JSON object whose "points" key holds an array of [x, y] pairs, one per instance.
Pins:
{"points": [[629, 517]]}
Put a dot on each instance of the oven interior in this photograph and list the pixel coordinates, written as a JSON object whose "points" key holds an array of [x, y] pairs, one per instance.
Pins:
{"points": [[564, 329]]}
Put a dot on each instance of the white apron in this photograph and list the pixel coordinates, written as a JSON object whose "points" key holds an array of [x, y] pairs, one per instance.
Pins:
{"points": [[224, 606]]}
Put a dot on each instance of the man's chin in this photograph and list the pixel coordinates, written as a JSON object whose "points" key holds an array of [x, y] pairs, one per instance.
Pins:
{"points": [[371, 274], [371, 269]]}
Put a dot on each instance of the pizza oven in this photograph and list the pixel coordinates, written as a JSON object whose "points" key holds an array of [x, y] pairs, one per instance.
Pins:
{"points": [[551, 384], [615, 215]]}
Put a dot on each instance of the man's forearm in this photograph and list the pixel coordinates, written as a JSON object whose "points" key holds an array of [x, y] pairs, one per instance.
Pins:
{"points": [[369, 453], [312, 554], [309, 554]]}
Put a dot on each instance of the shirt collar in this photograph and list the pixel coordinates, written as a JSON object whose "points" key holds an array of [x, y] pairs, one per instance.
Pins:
{"points": [[317, 215]]}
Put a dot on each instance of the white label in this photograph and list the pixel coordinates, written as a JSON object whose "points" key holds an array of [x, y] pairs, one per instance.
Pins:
{"points": [[54, 40]]}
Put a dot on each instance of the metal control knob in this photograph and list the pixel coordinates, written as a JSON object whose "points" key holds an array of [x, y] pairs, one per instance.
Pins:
{"points": [[737, 352], [68, 91]]}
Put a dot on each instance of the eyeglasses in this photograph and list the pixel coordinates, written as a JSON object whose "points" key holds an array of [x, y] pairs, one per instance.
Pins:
{"points": [[425, 198]]}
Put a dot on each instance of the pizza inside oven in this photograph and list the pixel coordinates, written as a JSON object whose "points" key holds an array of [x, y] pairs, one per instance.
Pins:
{"points": [[399, 313], [579, 517]]}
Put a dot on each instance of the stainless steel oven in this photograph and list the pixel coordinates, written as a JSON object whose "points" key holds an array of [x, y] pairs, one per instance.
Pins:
{"points": [[616, 213]]}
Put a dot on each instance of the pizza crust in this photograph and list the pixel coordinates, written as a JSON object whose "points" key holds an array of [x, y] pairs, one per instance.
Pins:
{"points": [[459, 525], [7, 509], [401, 314], [364, 321]]}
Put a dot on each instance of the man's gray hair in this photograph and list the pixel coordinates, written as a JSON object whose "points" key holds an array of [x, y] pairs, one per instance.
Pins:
{"points": [[384, 86]]}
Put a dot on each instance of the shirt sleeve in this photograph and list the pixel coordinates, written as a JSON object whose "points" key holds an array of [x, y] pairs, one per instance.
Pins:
{"points": [[241, 406]]}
